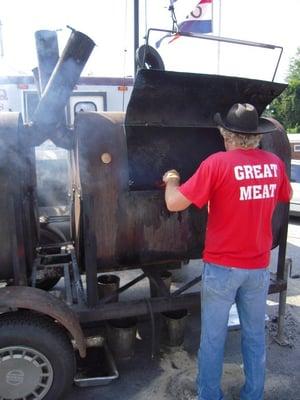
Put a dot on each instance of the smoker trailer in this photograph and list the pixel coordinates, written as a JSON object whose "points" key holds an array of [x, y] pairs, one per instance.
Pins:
{"points": [[118, 217]]}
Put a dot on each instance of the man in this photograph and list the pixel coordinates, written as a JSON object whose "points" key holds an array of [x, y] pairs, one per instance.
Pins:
{"points": [[242, 187]]}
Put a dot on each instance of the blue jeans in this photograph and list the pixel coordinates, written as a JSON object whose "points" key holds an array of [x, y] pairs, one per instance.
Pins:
{"points": [[221, 287]]}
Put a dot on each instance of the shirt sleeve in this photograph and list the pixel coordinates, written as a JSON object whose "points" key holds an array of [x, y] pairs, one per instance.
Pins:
{"points": [[285, 189], [198, 187]]}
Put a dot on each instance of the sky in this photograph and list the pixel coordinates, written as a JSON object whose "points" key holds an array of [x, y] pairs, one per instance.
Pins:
{"points": [[110, 24]]}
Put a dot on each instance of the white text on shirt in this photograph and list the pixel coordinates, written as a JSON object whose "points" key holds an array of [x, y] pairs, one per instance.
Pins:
{"points": [[256, 192]]}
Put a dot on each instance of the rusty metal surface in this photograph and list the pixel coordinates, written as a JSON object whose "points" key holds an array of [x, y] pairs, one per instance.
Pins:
{"points": [[18, 220], [278, 144], [15, 297], [100, 184], [154, 150], [123, 227], [177, 99], [135, 308]]}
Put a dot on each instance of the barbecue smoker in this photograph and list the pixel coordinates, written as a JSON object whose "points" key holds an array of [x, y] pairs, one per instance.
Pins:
{"points": [[118, 217]]}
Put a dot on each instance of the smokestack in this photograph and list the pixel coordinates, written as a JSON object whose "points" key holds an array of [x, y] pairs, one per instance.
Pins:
{"points": [[47, 54], [50, 110]]}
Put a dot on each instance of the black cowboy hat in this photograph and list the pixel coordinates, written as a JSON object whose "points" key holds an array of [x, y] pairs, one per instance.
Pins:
{"points": [[244, 119]]}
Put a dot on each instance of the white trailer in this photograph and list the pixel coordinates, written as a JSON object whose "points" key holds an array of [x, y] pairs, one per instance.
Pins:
{"points": [[19, 93]]}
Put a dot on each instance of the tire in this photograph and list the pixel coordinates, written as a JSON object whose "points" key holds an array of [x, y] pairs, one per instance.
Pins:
{"points": [[147, 56], [36, 357]]}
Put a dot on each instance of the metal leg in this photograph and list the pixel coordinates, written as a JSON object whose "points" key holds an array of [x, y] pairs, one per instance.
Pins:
{"points": [[280, 337], [282, 273]]}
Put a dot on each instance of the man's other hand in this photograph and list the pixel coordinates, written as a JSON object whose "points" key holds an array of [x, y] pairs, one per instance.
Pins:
{"points": [[171, 174]]}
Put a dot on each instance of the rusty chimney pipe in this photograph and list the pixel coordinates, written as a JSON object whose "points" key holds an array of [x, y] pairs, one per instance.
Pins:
{"points": [[50, 110], [47, 54]]}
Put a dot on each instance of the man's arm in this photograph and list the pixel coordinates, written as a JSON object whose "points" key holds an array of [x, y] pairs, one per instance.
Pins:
{"points": [[175, 200]]}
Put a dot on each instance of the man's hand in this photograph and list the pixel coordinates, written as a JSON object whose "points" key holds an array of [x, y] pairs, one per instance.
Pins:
{"points": [[175, 201], [172, 174]]}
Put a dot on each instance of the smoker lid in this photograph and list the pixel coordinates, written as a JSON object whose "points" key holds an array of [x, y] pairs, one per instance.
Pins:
{"points": [[179, 99]]}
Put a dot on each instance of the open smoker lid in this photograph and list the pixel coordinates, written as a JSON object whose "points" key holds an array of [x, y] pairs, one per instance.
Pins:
{"points": [[180, 99]]}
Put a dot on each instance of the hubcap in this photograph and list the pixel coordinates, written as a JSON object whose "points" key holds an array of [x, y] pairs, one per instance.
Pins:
{"points": [[25, 374]]}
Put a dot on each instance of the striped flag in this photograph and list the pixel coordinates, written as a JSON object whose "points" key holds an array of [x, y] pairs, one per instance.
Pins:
{"points": [[199, 19]]}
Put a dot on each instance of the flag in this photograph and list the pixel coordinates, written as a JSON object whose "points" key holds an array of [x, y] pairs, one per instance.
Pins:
{"points": [[199, 19]]}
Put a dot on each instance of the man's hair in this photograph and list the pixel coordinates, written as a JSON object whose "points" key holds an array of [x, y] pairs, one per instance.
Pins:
{"points": [[239, 140]]}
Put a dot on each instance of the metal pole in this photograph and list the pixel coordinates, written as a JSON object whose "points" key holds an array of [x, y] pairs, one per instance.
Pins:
{"points": [[1, 42], [215, 38], [136, 32], [280, 337], [282, 273], [277, 65], [219, 43]]}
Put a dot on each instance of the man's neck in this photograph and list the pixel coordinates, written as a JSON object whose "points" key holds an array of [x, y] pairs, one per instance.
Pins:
{"points": [[230, 146]]}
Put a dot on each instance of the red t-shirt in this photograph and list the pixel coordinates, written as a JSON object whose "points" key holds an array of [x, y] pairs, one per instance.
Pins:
{"points": [[242, 188]]}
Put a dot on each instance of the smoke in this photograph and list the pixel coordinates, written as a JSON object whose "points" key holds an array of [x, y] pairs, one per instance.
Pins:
{"points": [[53, 176]]}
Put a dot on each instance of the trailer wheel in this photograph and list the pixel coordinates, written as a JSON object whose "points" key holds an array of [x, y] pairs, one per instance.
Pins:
{"points": [[36, 357]]}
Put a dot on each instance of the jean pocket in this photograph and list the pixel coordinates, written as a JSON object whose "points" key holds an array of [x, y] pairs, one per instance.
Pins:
{"points": [[264, 278], [218, 280], [259, 279]]}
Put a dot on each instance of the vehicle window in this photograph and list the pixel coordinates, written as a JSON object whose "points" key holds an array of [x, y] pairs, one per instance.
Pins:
{"points": [[84, 106], [295, 173]]}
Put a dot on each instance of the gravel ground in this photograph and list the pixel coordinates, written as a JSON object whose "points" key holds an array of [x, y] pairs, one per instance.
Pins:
{"points": [[171, 374]]}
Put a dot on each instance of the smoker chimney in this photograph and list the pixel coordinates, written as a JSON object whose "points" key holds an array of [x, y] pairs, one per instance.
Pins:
{"points": [[47, 54], [50, 110]]}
